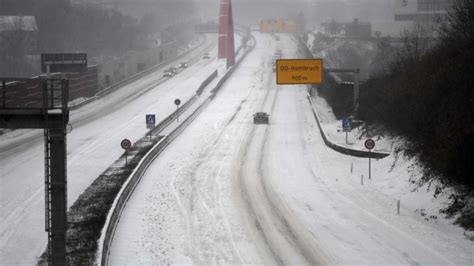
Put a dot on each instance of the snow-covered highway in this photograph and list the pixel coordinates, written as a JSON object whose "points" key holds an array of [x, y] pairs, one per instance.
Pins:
{"points": [[227, 191], [93, 145]]}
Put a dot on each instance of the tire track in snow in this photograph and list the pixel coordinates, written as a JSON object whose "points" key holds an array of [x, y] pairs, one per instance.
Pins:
{"points": [[335, 198], [195, 192], [250, 196], [255, 100], [296, 238]]}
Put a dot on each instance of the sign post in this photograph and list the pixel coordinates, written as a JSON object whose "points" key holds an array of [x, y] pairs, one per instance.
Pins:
{"points": [[126, 144], [347, 126], [150, 120], [369, 144], [177, 102]]}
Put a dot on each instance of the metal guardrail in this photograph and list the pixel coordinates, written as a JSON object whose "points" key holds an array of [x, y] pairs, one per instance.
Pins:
{"points": [[133, 78], [327, 141], [120, 201]]}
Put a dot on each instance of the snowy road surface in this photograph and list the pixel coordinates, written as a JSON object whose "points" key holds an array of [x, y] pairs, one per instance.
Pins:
{"points": [[231, 192], [93, 145]]}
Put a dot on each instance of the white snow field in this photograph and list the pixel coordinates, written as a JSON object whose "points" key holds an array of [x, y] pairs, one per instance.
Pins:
{"points": [[227, 191], [93, 145]]}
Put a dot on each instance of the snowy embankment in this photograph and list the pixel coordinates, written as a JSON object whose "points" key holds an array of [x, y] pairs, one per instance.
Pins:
{"points": [[231, 192], [93, 145], [429, 207], [333, 130]]}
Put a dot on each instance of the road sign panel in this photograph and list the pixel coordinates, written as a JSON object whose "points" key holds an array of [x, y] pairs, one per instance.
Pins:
{"points": [[369, 144], [150, 120], [299, 71], [347, 124], [126, 144], [69, 62], [177, 101]]}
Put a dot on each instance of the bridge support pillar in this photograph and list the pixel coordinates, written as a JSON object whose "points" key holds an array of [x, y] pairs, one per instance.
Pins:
{"points": [[226, 53]]}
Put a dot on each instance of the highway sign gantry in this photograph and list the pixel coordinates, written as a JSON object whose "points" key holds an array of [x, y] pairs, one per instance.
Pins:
{"points": [[64, 62], [299, 71]]}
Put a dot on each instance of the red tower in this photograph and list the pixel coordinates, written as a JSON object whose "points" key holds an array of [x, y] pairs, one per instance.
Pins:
{"points": [[226, 55]]}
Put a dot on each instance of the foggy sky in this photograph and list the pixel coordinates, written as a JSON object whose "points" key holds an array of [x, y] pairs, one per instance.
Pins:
{"points": [[249, 11]]}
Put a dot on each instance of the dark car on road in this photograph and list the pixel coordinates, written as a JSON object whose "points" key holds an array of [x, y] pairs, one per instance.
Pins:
{"points": [[167, 73], [183, 65], [173, 70], [261, 118]]}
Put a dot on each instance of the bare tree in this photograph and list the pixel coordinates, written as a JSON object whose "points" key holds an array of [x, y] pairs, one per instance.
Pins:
{"points": [[14, 44], [459, 23], [416, 42]]}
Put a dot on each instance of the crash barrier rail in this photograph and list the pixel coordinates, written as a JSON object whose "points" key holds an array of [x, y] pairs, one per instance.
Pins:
{"points": [[170, 118], [128, 187], [113, 217], [206, 82], [232, 69], [327, 141], [133, 78], [339, 148], [145, 72]]}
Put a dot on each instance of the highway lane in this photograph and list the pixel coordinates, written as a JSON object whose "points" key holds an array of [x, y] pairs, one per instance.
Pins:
{"points": [[186, 208], [92, 146], [231, 192]]}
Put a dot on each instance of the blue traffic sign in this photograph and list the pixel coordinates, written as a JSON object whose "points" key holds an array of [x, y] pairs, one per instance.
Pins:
{"points": [[347, 123], [150, 120]]}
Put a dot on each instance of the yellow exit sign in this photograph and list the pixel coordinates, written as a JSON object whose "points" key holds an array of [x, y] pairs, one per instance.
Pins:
{"points": [[299, 71]]}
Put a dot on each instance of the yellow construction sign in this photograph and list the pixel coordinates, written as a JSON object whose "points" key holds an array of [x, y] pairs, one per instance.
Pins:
{"points": [[299, 71]]}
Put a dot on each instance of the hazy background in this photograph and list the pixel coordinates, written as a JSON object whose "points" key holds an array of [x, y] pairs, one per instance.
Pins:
{"points": [[251, 11]]}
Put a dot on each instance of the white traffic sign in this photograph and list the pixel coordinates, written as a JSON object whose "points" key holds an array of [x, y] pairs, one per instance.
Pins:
{"points": [[369, 144], [126, 144]]}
